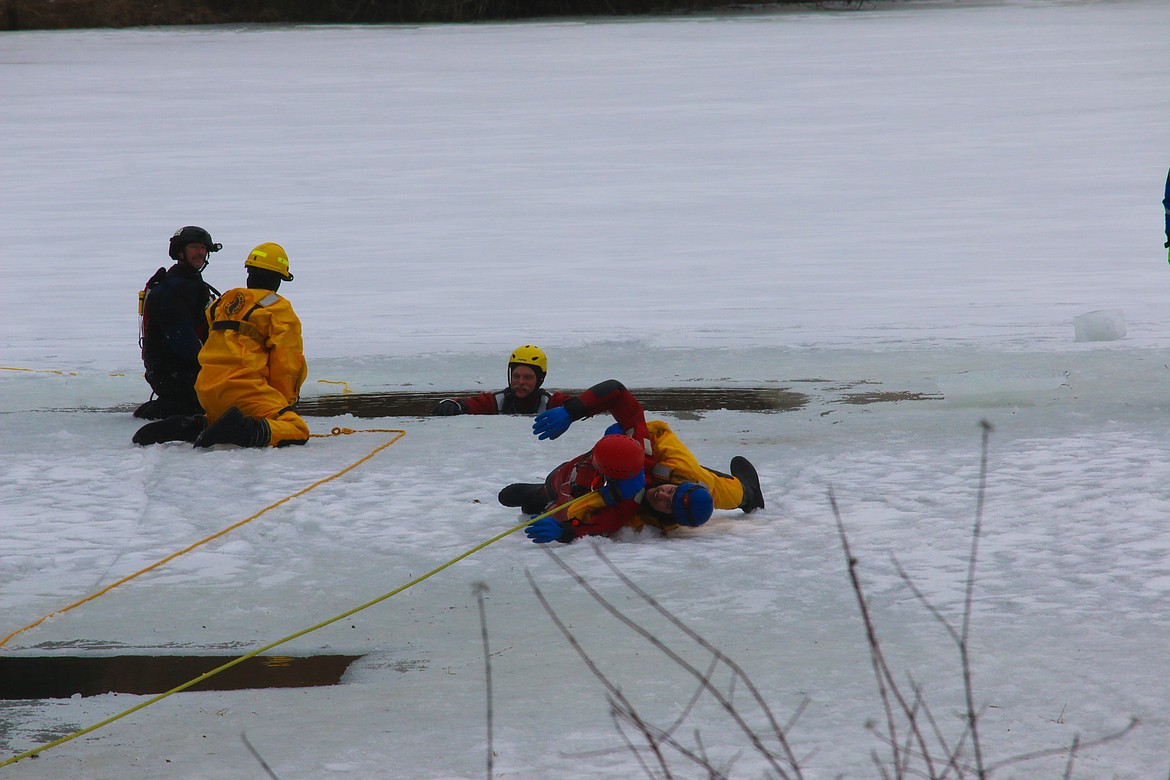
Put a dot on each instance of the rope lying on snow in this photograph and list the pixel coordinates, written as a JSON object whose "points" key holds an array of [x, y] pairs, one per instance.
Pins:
{"points": [[278, 642], [334, 432]]}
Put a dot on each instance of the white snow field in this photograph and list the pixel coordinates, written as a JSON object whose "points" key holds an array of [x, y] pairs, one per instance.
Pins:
{"points": [[898, 212]]}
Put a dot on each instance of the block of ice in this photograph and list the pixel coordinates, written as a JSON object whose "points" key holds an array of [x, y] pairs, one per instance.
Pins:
{"points": [[1001, 387], [1101, 325]]}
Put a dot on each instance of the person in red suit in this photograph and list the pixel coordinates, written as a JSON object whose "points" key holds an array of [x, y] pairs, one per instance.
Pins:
{"points": [[640, 473], [527, 368]]}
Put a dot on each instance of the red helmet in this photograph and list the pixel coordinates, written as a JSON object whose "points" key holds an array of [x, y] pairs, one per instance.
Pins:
{"points": [[617, 456]]}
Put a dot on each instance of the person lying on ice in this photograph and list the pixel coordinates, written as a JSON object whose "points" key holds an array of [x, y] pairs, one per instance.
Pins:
{"points": [[253, 366], [641, 471], [527, 368]]}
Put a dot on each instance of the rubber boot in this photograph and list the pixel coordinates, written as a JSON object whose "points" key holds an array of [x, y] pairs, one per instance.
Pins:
{"points": [[177, 427], [149, 411], [745, 472], [234, 428], [529, 497]]}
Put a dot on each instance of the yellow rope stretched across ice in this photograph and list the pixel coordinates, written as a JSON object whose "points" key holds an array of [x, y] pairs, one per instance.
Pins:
{"points": [[47, 371], [334, 432], [278, 642], [40, 371]]}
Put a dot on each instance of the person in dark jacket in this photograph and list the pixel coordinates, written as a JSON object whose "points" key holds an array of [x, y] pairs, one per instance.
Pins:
{"points": [[174, 326], [252, 366], [1166, 206], [527, 368]]}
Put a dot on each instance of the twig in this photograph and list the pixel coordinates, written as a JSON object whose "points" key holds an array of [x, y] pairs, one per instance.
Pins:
{"points": [[256, 755], [887, 685], [1072, 757], [480, 588], [1077, 746], [683, 664], [614, 692], [740, 674], [964, 646], [617, 714]]}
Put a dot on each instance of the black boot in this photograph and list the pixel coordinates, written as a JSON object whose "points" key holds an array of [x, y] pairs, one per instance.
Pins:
{"points": [[234, 428], [529, 497], [161, 408], [745, 472], [178, 427], [149, 411]]}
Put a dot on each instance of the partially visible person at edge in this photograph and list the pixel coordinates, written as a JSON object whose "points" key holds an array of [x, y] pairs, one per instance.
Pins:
{"points": [[1166, 207], [174, 327], [641, 471], [527, 368], [253, 366]]}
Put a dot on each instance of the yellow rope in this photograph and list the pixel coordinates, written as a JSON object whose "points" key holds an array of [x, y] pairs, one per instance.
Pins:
{"points": [[345, 385], [278, 642], [50, 371], [40, 371], [217, 534]]}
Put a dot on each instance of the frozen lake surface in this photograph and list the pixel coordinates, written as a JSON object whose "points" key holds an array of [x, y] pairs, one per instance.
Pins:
{"points": [[896, 214]]}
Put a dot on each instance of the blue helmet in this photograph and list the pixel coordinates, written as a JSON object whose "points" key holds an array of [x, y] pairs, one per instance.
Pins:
{"points": [[692, 504]]}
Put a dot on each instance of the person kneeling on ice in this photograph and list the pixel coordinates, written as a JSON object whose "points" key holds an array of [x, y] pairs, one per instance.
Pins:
{"points": [[173, 325], [253, 366], [640, 473]]}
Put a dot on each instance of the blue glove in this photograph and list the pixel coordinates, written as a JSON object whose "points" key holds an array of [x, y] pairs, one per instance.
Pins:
{"points": [[544, 530], [615, 428], [551, 424], [628, 488], [622, 489]]}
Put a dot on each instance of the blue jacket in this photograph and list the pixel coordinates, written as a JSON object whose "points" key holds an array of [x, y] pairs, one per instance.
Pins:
{"points": [[1166, 205], [176, 326]]}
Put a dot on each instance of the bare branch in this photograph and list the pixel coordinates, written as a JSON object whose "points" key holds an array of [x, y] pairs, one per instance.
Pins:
{"points": [[876, 658], [969, 600], [750, 733], [737, 670], [617, 715], [1077, 745], [613, 690], [480, 588], [256, 755]]}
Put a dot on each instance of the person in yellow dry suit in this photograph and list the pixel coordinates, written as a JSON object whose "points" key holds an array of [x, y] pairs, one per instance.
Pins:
{"points": [[639, 474], [252, 366]]}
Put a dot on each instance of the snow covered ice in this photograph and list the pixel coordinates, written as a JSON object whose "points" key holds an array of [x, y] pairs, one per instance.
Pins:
{"points": [[897, 212]]}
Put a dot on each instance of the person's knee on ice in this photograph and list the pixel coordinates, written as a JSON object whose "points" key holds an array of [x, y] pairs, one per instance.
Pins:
{"points": [[178, 427], [234, 428]]}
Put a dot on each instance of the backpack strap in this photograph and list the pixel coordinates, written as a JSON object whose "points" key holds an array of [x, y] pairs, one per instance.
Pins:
{"points": [[541, 406], [242, 326]]}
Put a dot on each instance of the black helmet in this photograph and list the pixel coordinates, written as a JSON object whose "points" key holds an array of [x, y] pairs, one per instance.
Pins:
{"points": [[191, 234]]}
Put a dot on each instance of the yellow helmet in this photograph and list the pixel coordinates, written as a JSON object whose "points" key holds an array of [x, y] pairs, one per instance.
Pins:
{"points": [[270, 257], [529, 355]]}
